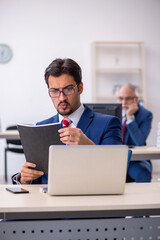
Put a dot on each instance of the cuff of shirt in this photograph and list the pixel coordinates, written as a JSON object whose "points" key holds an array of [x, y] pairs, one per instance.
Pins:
{"points": [[130, 119], [16, 179]]}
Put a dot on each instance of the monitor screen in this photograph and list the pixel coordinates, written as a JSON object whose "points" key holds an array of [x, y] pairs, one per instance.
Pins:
{"points": [[114, 109]]}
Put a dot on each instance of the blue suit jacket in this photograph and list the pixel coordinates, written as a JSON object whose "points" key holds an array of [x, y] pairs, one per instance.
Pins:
{"points": [[101, 129], [136, 134]]}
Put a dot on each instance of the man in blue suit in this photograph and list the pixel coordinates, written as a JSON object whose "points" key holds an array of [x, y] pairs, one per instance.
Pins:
{"points": [[64, 80], [138, 125]]}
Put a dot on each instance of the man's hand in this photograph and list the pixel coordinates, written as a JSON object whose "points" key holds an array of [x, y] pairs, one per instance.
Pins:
{"points": [[27, 174], [74, 136], [132, 109]]}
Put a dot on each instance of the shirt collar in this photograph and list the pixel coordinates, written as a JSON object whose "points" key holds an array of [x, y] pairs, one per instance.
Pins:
{"points": [[75, 116], [123, 114]]}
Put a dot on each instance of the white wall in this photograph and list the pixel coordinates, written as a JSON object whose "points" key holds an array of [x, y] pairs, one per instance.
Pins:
{"points": [[39, 31]]}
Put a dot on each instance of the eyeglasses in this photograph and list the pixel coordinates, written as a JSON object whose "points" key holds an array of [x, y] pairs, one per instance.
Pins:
{"points": [[55, 93], [127, 99]]}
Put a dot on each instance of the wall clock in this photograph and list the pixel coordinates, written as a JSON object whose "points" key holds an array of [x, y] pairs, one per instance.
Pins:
{"points": [[5, 53]]}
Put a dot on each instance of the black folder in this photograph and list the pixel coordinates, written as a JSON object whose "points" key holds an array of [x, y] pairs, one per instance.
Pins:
{"points": [[36, 140]]}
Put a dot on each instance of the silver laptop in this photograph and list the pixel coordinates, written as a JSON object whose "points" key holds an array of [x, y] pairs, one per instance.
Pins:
{"points": [[86, 170]]}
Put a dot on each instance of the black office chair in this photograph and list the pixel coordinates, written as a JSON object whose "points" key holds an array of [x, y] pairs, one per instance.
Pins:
{"points": [[11, 148]]}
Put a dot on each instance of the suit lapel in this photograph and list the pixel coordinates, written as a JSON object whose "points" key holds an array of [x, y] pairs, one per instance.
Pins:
{"points": [[126, 136], [85, 119], [56, 118]]}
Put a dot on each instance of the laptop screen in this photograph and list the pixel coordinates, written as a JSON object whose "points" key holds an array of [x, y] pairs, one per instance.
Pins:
{"points": [[87, 169]]}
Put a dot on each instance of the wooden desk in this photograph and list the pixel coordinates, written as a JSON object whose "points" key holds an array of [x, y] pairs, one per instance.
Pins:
{"points": [[82, 217], [138, 198], [10, 134], [145, 152]]}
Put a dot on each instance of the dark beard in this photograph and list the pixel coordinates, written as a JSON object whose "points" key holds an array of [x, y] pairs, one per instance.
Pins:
{"points": [[66, 113]]}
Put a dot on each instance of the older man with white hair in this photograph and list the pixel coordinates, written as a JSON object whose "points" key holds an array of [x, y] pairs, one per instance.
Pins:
{"points": [[136, 127]]}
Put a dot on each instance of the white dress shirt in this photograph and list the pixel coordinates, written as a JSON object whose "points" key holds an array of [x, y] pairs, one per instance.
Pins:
{"points": [[74, 117], [129, 120]]}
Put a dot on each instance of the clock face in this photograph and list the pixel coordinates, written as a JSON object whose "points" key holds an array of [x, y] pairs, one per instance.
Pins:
{"points": [[5, 53]]}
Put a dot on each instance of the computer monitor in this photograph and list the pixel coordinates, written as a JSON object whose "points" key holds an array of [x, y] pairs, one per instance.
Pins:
{"points": [[114, 109]]}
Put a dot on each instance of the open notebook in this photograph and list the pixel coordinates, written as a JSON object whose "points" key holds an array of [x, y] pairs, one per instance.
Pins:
{"points": [[86, 170]]}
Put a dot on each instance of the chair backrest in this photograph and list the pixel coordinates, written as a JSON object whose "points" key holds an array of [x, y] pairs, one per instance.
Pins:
{"points": [[11, 141]]}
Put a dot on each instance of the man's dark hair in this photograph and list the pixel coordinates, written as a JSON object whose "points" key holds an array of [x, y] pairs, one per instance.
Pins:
{"points": [[64, 66]]}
